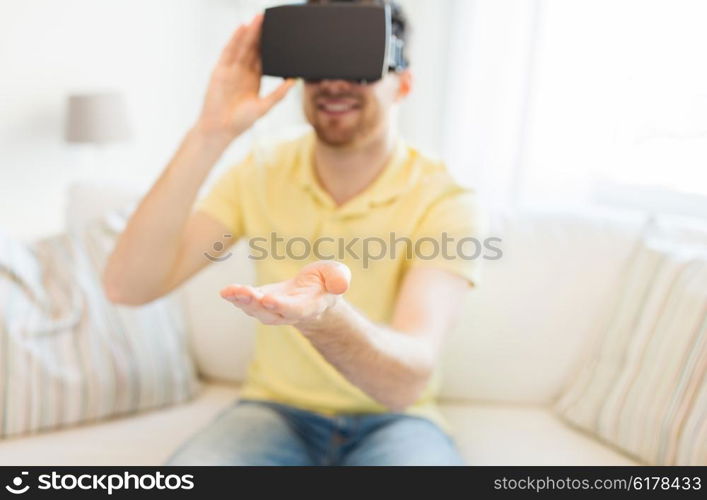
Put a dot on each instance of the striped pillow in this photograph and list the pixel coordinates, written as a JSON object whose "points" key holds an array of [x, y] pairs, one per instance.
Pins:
{"points": [[67, 355], [645, 389]]}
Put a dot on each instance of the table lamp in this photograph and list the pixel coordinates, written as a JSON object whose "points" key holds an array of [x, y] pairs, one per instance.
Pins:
{"points": [[97, 119]]}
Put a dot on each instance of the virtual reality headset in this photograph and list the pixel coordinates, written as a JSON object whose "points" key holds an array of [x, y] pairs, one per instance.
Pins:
{"points": [[335, 41]]}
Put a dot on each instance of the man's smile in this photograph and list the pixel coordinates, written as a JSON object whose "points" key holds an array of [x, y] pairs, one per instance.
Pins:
{"points": [[337, 106]]}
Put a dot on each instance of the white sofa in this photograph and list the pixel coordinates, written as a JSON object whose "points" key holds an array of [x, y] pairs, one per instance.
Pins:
{"points": [[523, 334]]}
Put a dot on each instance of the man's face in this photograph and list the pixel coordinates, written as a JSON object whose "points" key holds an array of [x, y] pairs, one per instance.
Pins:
{"points": [[345, 113]]}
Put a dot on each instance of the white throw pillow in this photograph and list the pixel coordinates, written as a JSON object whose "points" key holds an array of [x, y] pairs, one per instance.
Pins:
{"points": [[69, 356], [645, 390]]}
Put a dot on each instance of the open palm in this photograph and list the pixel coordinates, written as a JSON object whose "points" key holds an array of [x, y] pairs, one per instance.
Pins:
{"points": [[300, 299]]}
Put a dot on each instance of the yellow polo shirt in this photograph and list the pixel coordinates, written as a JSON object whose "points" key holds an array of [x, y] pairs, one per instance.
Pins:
{"points": [[274, 199]]}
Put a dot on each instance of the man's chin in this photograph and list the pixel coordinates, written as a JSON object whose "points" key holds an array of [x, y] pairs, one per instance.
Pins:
{"points": [[336, 138]]}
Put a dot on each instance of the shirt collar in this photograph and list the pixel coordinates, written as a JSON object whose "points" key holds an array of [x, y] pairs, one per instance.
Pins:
{"points": [[396, 177]]}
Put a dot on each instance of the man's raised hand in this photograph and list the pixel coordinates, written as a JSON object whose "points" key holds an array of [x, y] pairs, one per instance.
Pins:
{"points": [[233, 102]]}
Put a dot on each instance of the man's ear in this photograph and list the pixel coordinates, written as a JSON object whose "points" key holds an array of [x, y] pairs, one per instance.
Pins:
{"points": [[405, 84]]}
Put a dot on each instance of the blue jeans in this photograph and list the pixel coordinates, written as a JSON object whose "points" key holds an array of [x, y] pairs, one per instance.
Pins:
{"points": [[264, 433]]}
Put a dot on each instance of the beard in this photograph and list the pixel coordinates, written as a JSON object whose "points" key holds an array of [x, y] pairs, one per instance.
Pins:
{"points": [[343, 130], [335, 135]]}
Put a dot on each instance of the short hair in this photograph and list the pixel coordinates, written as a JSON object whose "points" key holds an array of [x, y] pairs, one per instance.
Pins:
{"points": [[400, 23]]}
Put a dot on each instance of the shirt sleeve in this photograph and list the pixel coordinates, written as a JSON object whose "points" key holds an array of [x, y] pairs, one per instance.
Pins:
{"points": [[451, 236], [224, 201]]}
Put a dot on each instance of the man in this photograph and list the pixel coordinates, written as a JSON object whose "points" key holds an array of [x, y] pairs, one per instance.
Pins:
{"points": [[346, 350]]}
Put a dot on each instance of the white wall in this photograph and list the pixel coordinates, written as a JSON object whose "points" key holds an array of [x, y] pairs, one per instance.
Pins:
{"points": [[159, 54], [49, 49], [423, 115]]}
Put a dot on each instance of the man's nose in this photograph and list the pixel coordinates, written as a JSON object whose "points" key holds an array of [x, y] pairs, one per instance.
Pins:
{"points": [[336, 86]]}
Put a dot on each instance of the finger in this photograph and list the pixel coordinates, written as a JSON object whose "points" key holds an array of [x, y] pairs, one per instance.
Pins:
{"points": [[271, 303], [336, 276], [241, 295], [277, 95], [252, 30], [251, 43], [288, 307], [255, 310], [228, 54], [258, 65], [268, 318], [247, 299]]}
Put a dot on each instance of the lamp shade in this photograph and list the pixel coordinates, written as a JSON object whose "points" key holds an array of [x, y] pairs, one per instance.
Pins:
{"points": [[97, 119]]}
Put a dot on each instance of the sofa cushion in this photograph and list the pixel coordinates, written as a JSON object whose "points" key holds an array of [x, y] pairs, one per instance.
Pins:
{"points": [[526, 328], [502, 434], [148, 438], [221, 337], [488, 434], [644, 388], [67, 355]]}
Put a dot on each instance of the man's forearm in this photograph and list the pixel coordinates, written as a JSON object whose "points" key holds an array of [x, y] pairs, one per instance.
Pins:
{"points": [[390, 366], [146, 252], [147, 261]]}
